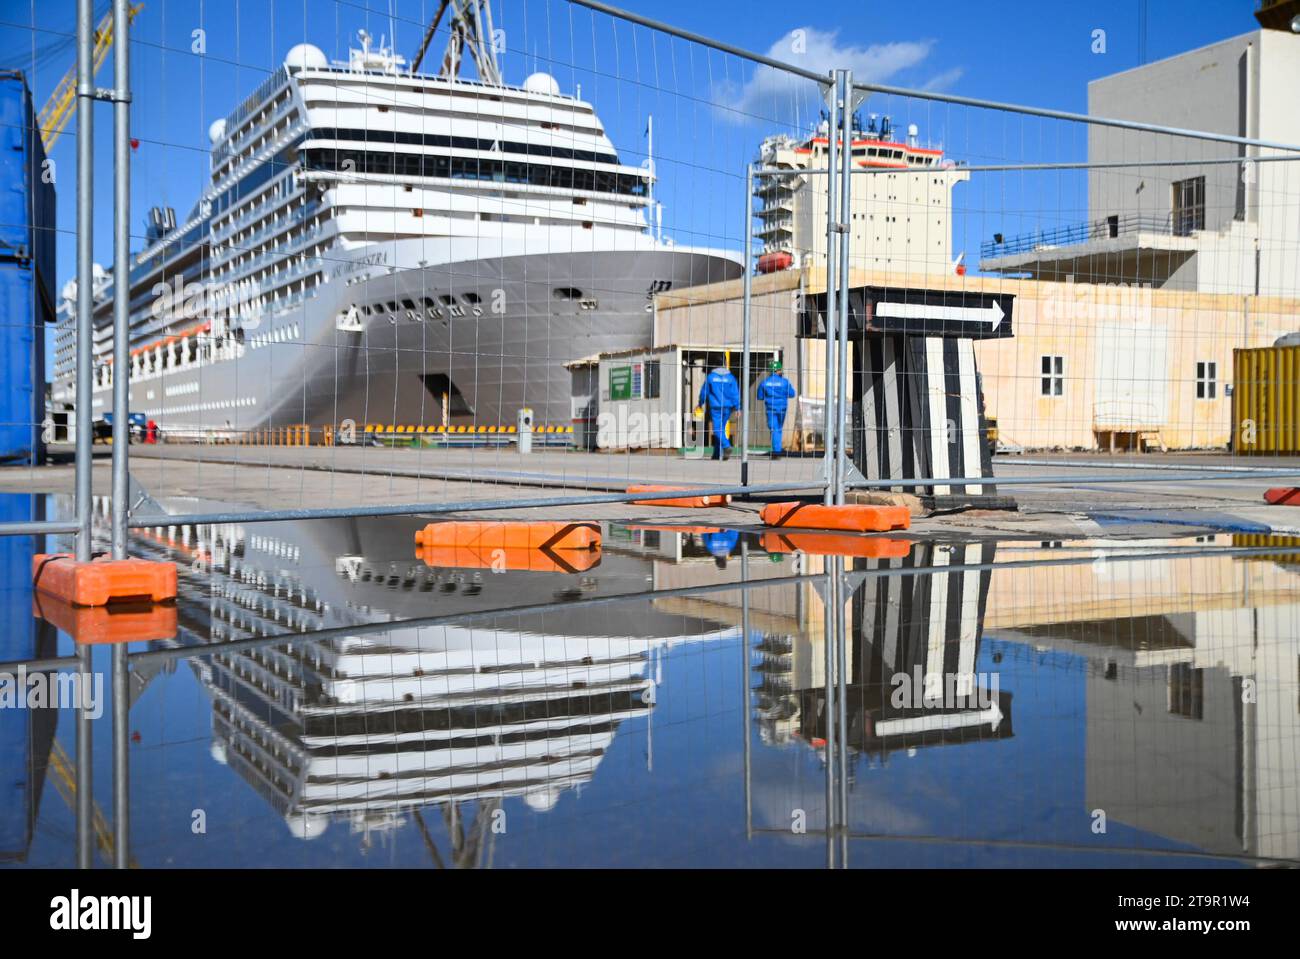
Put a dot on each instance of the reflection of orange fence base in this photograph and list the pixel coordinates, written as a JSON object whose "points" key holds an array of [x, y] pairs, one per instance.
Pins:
{"points": [[514, 558], [848, 518], [831, 544], [688, 502], [120, 623], [1283, 496], [103, 580], [480, 535]]}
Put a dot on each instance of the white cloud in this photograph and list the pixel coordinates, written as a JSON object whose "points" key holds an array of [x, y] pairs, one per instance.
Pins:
{"points": [[820, 51], [943, 81]]}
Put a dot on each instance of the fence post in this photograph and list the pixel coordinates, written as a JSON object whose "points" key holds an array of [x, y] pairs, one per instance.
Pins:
{"points": [[745, 323], [832, 235], [844, 92]]}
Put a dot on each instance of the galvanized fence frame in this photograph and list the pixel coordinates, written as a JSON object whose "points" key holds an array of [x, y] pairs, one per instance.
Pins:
{"points": [[836, 480]]}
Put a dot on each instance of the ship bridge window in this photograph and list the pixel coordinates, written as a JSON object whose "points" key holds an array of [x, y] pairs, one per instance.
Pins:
{"points": [[408, 304], [473, 299], [567, 293]]}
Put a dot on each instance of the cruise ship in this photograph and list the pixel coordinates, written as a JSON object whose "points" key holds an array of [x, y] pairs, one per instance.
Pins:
{"points": [[378, 244]]}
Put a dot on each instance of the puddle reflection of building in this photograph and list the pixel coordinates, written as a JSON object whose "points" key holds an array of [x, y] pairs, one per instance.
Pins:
{"points": [[1191, 688], [371, 728], [913, 636]]}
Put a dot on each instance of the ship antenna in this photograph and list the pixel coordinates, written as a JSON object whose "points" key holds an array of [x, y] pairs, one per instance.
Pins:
{"points": [[392, 29]]}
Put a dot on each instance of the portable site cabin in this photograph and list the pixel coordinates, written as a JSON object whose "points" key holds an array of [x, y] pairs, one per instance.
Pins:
{"points": [[648, 398]]}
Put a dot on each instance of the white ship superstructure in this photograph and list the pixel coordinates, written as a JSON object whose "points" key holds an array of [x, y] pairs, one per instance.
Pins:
{"points": [[901, 214], [377, 244]]}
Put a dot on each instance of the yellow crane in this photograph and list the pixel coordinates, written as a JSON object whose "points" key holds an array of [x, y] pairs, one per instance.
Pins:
{"points": [[62, 103]]}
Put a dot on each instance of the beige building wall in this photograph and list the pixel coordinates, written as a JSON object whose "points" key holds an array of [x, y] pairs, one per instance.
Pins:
{"points": [[1129, 355]]}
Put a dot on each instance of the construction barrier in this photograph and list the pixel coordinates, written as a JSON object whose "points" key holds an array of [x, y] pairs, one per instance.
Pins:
{"points": [[513, 558], [1283, 496], [849, 518], [687, 502], [520, 535], [103, 580], [830, 544], [119, 623]]}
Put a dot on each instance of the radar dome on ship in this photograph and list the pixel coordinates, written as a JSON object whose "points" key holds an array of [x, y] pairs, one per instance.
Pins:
{"points": [[304, 825], [304, 56], [542, 83], [216, 130]]}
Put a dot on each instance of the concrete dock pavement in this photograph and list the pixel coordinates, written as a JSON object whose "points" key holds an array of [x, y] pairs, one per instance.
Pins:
{"points": [[333, 477]]}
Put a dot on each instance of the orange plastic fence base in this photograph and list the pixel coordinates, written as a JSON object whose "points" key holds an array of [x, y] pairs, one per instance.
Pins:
{"points": [[832, 544], [513, 558], [107, 624], [849, 518], [1283, 496], [687, 502], [542, 535], [103, 580]]}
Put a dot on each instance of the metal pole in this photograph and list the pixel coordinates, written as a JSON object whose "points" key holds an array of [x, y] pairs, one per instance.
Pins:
{"points": [[844, 91], [121, 755], [746, 652], [121, 415], [484, 506], [37, 528], [841, 699], [745, 321], [172, 653], [85, 291], [85, 779], [121, 274], [936, 97], [828, 707], [832, 234]]}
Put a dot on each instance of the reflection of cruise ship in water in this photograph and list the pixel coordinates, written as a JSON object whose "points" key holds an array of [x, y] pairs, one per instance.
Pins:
{"points": [[373, 726], [379, 244]]}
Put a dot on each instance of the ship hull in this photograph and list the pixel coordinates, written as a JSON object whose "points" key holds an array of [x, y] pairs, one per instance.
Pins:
{"points": [[523, 318]]}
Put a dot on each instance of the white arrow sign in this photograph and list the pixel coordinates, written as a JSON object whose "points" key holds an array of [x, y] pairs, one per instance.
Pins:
{"points": [[991, 314], [933, 722]]}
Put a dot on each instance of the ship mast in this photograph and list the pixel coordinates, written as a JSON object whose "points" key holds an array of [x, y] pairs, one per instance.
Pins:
{"points": [[471, 26]]}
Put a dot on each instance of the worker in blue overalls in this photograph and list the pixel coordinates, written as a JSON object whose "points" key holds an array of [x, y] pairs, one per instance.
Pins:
{"points": [[776, 392], [720, 396]]}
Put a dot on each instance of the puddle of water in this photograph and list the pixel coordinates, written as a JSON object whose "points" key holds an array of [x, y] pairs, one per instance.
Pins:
{"points": [[321, 695]]}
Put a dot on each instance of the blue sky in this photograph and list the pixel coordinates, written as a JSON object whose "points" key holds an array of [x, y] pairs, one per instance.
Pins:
{"points": [[710, 110]]}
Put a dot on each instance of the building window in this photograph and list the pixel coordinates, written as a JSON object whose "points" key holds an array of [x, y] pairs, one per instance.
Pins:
{"points": [[1053, 376], [1186, 691], [1189, 205], [1207, 379], [652, 380]]}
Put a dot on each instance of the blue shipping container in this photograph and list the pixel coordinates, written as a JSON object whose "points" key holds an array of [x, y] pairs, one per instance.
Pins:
{"points": [[27, 265]]}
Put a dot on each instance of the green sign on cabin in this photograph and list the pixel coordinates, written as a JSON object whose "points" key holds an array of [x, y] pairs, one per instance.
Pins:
{"points": [[620, 383]]}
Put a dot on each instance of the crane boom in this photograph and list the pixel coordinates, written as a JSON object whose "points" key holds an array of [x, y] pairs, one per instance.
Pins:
{"points": [[62, 104]]}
